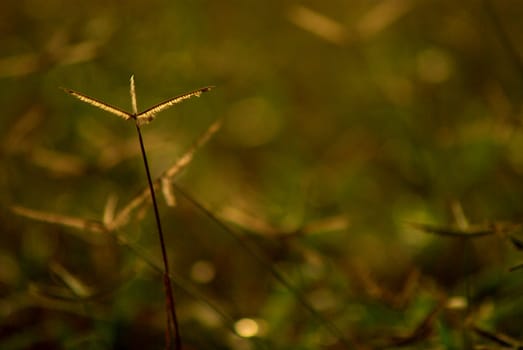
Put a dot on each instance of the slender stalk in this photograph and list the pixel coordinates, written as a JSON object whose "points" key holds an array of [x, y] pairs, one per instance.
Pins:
{"points": [[172, 320], [170, 304]]}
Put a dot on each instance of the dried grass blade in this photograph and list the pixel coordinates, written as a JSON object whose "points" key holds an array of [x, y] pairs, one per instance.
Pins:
{"points": [[110, 209], [78, 223], [334, 223], [459, 215], [189, 155], [168, 192], [452, 232], [72, 282], [381, 16], [99, 104], [248, 222], [123, 215], [149, 114], [318, 24]]}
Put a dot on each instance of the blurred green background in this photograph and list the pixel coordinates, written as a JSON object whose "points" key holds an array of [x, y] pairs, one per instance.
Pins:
{"points": [[344, 122]]}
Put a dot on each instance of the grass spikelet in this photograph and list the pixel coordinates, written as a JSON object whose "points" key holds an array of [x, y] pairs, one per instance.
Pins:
{"points": [[143, 117], [52, 218]]}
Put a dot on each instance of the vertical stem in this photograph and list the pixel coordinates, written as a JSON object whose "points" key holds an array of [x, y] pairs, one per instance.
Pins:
{"points": [[169, 296], [167, 281]]}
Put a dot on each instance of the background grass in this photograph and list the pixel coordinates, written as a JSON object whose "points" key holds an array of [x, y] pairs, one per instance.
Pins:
{"points": [[343, 122]]}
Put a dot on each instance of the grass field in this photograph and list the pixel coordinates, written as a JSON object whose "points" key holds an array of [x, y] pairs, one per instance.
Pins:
{"points": [[352, 181]]}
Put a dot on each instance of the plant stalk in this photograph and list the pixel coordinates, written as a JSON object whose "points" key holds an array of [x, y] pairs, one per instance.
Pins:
{"points": [[170, 304]]}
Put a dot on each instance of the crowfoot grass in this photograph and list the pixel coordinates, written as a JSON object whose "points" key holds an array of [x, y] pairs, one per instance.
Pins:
{"points": [[141, 119], [114, 220], [173, 329]]}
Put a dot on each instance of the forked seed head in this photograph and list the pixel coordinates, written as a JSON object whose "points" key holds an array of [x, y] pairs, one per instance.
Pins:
{"points": [[143, 117]]}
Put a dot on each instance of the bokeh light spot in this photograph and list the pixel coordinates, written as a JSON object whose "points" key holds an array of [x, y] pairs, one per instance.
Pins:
{"points": [[247, 327], [203, 272]]}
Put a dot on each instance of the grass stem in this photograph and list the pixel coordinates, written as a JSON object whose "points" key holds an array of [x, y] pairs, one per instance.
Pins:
{"points": [[170, 304], [172, 320]]}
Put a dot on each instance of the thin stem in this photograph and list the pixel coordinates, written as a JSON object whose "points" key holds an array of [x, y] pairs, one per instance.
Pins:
{"points": [[167, 281], [169, 296]]}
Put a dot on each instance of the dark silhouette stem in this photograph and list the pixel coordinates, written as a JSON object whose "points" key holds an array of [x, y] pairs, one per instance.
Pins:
{"points": [[170, 305]]}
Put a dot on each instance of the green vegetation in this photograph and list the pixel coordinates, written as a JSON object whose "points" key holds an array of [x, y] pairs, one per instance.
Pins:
{"points": [[352, 182]]}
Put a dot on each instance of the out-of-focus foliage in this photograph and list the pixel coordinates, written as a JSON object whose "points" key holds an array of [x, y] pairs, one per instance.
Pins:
{"points": [[371, 151]]}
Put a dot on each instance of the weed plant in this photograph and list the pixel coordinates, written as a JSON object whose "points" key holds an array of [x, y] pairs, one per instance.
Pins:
{"points": [[363, 193]]}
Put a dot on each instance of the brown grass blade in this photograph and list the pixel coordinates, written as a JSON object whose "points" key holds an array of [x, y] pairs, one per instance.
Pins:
{"points": [[168, 192], [110, 209], [77, 287], [99, 104], [123, 215], [261, 226], [149, 114], [318, 24], [453, 232], [249, 222], [381, 16], [74, 222], [189, 155], [333, 223]]}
